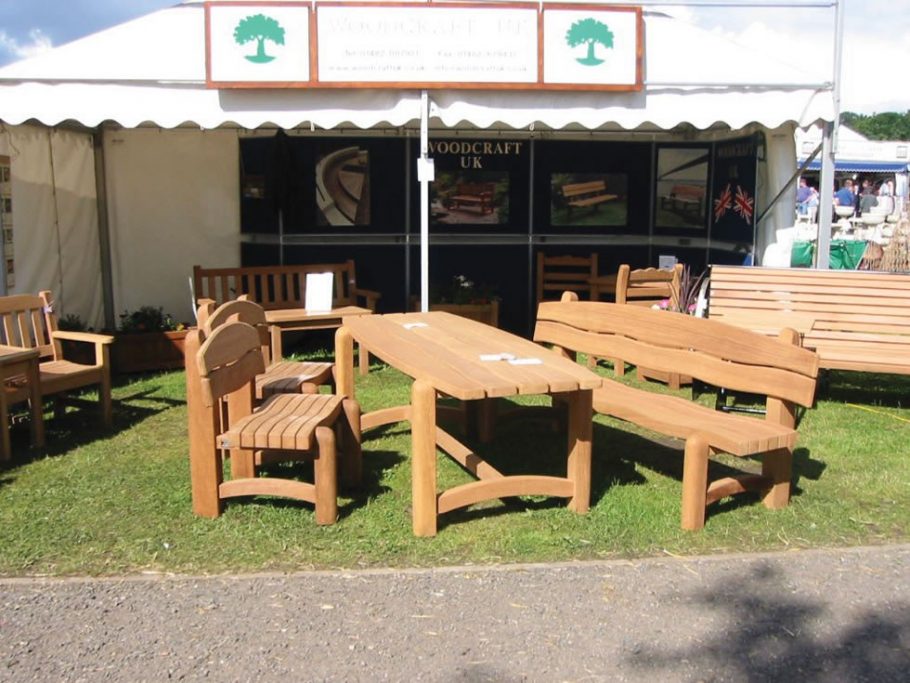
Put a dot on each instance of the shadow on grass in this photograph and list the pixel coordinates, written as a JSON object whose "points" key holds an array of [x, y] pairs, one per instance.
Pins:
{"points": [[771, 634], [888, 390]]}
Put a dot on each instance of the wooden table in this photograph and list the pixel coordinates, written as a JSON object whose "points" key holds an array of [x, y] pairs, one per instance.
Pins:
{"points": [[293, 319], [442, 353], [23, 363]]}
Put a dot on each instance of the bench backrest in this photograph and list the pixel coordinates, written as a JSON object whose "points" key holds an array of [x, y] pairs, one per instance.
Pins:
{"points": [[644, 286], [713, 352], [557, 274], [27, 320], [273, 287], [591, 187]]}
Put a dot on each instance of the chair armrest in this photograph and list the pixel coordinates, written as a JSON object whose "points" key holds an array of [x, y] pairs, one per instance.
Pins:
{"points": [[101, 342], [370, 295], [89, 337]]}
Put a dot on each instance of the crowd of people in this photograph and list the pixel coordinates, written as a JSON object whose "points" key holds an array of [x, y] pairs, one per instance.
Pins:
{"points": [[862, 197]]}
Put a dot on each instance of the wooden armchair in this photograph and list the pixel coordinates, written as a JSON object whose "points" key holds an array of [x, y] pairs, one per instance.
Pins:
{"points": [[220, 377], [280, 377], [29, 321], [557, 274]]}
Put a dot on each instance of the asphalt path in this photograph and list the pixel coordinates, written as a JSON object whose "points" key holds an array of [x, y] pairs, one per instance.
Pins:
{"points": [[810, 615]]}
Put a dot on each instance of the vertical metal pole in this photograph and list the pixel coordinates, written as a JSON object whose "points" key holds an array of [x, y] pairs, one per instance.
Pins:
{"points": [[3, 288], [104, 230], [829, 148], [424, 204]]}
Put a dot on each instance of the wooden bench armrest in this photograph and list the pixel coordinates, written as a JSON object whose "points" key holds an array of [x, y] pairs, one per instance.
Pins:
{"points": [[88, 337], [371, 296]]}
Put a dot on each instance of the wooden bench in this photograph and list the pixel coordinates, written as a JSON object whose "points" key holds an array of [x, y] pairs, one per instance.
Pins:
{"points": [[713, 352], [581, 195], [854, 320], [685, 199], [278, 288], [474, 196]]}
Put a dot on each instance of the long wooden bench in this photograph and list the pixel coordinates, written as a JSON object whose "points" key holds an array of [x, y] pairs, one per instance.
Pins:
{"points": [[581, 195], [278, 288], [474, 196], [713, 352], [854, 320]]}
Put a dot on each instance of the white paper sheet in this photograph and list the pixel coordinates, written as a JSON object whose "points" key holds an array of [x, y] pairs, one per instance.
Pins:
{"points": [[319, 292]]}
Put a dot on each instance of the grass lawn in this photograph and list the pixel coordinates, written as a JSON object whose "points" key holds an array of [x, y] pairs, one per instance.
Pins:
{"points": [[119, 502]]}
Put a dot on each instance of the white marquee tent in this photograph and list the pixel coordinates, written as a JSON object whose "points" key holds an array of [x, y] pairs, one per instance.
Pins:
{"points": [[129, 107]]}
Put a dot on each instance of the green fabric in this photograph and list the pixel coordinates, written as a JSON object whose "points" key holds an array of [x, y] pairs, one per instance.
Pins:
{"points": [[846, 254], [801, 254]]}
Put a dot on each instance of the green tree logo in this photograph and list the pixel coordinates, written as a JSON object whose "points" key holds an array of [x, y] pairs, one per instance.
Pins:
{"points": [[260, 28], [589, 31]]}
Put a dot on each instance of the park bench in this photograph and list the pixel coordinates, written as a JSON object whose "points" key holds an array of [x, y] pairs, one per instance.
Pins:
{"points": [[854, 320], [473, 196], [581, 195], [684, 199], [713, 352]]}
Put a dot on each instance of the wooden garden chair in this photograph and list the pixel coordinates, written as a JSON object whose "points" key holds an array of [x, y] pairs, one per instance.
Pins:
{"points": [[29, 321], [280, 377], [222, 370], [557, 274]]}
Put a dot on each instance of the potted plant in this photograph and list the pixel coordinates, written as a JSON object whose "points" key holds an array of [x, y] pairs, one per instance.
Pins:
{"points": [[465, 298], [148, 339]]}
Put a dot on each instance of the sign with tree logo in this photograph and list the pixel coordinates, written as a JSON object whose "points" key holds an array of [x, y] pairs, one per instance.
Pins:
{"points": [[597, 46], [258, 42]]}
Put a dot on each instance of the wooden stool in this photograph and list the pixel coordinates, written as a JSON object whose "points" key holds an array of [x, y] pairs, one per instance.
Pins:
{"points": [[223, 369]]}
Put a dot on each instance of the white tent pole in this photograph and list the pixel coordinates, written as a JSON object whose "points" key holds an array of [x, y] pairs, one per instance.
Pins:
{"points": [[424, 203], [829, 149]]}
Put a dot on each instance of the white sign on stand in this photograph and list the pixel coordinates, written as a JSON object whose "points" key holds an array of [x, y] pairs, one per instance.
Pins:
{"points": [[319, 292]]}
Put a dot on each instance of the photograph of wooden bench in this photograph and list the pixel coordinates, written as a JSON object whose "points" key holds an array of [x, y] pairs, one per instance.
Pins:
{"points": [[713, 352], [473, 196], [854, 320], [582, 195], [281, 291], [685, 199]]}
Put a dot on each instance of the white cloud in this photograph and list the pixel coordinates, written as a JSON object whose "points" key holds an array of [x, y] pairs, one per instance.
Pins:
{"points": [[35, 44]]}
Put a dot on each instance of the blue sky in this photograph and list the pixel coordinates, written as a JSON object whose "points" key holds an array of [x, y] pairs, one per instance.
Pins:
{"points": [[876, 40]]}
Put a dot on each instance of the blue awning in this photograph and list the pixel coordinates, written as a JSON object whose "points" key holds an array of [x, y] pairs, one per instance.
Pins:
{"points": [[853, 166]]}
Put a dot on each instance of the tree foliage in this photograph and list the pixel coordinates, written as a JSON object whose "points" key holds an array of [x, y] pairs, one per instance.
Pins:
{"points": [[885, 126], [589, 31]]}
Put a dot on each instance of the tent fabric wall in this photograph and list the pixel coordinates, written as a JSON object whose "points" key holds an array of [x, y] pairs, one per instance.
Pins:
{"points": [[173, 202], [780, 156], [55, 218]]}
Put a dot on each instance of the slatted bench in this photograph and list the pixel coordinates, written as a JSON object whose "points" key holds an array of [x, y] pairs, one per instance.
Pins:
{"points": [[474, 196], [854, 320], [282, 289], [581, 195], [713, 352], [684, 199]]}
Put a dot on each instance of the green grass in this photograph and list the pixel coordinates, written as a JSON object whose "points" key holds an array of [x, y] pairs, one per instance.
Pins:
{"points": [[118, 502]]}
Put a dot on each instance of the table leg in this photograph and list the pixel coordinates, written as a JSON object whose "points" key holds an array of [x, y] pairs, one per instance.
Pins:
{"points": [[579, 461], [37, 408], [344, 362], [277, 349], [423, 458]]}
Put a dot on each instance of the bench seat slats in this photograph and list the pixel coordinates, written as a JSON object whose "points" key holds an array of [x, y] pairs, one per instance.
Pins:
{"points": [[674, 416]]}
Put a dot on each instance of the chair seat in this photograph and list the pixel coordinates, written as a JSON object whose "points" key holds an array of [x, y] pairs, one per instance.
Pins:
{"points": [[284, 421], [675, 416], [56, 376], [288, 377]]}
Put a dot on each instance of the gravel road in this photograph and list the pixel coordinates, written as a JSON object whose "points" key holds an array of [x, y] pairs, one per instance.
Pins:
{"points": [[819, 615]]}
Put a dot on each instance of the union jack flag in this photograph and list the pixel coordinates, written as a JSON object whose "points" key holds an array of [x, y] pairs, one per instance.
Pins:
{"points": [[723, 202], [744, 205]]}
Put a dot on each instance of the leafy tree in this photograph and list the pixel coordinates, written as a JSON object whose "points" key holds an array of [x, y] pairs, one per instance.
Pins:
{"points": [[589, 31], [260, 28], [884, 126]]}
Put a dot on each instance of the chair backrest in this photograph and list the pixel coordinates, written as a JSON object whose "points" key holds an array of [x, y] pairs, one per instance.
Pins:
{"points": [[239, 310], [228, 361], [557, 274], [27, 321], [645, 286]]}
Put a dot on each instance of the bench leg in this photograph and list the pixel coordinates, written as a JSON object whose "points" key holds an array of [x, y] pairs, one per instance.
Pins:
{"points": [[352, 453], [695, 483], [777, 465], [423, 458], [325, 474], [579, 461]]}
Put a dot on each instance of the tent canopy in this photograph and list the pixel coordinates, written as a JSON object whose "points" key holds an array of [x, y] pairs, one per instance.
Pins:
{"points": [[856, 166], [129, 75]]}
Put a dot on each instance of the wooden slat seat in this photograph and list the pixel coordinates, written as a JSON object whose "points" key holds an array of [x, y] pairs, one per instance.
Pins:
{"points": [[713, 352], [283, 422], [854, 320]]}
